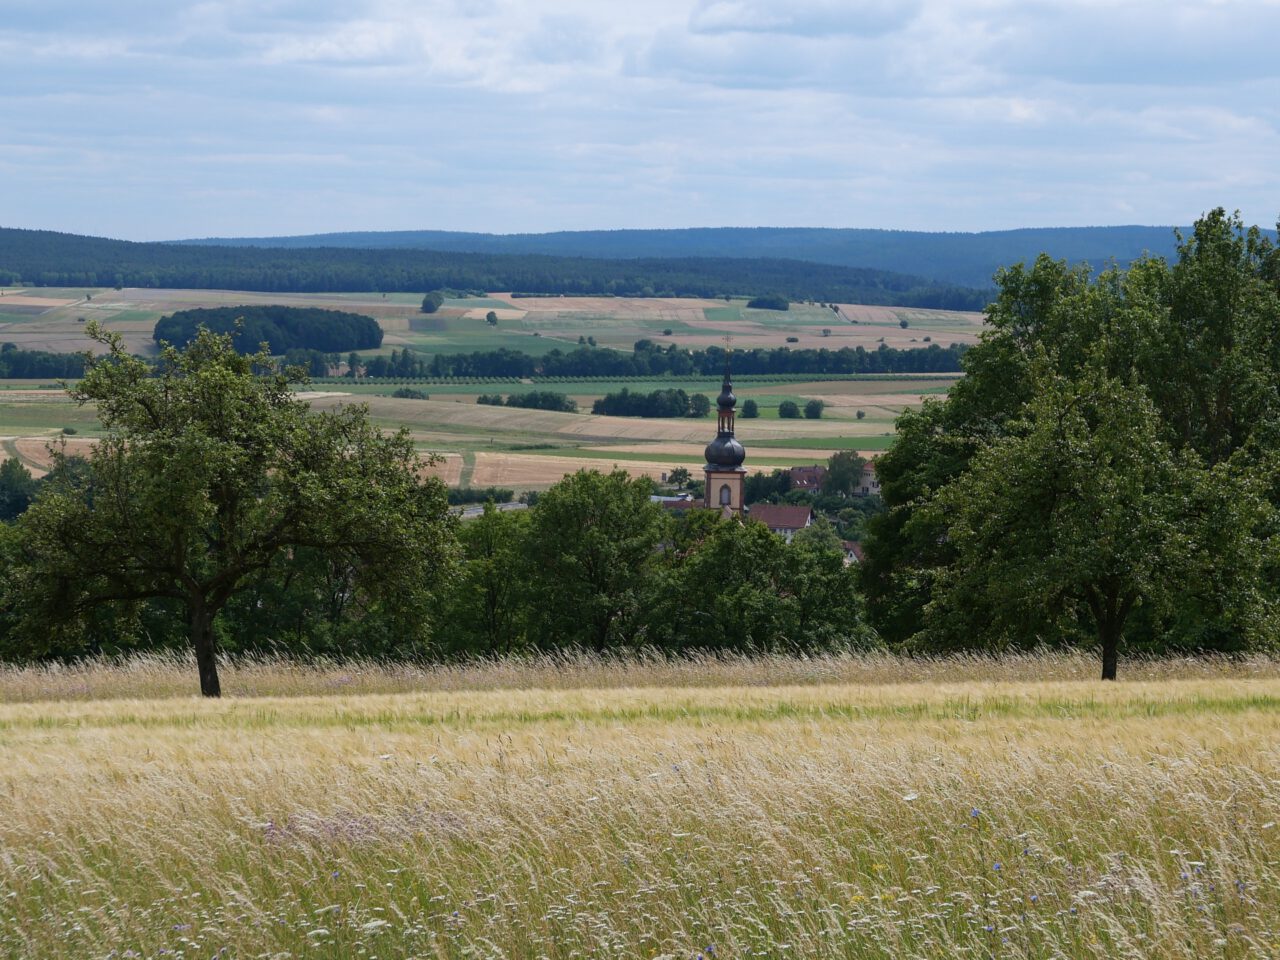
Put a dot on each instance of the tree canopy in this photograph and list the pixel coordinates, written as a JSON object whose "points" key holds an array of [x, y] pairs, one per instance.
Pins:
{"points": [[1104, 471], [213, 476], [281, 328]]}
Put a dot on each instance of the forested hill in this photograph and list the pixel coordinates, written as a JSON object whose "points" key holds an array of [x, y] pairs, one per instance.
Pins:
{"points": [[969, 259], [46, 258]]}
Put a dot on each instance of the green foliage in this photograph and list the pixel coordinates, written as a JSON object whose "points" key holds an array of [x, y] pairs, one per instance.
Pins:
{"points": [[672, 402], [770, 301], [679, 477], [750, 409], [593, 540], [730, 585], [789, 410], [844, 473], [212, 479], [1063, 491], [461, 495], [813, 409], [488, 604], [408, 393], [17, 489], [432, 301], [543, 400], [20, 364], [281, 328]]}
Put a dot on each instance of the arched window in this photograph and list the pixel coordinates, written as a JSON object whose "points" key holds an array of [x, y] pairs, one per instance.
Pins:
{"points": [[726, 497]]}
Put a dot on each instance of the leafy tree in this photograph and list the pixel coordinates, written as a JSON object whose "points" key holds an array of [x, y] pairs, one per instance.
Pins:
{"points": [[813, 409], [592, 540], [17, 489], [770, 301], [699, 405], [789, 410], [486, 605], [1077, 518], [750, 409], [210, 473], [1193, 342], [432, 301], [679, 477], [491, 318], [844, 473]]}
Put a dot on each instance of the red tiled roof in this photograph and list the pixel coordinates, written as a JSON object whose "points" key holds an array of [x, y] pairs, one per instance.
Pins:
{"points": [[780, 516]]}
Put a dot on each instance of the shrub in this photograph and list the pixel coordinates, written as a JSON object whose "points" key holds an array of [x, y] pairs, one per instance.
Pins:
{"points": [[789, 410]]}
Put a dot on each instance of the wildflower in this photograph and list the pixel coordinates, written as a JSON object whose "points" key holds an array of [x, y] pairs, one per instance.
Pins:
{"points": [[975, 812], [996, 866]]}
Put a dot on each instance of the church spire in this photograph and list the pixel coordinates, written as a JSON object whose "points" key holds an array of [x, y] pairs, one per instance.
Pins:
{"points": [[725, 454]]}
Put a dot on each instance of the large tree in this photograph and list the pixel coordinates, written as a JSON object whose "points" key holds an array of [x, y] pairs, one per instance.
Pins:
{"points": [[593, 540], [1193, 347], [211, 472]]}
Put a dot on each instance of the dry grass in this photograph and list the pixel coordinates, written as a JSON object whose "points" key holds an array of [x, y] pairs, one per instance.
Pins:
{"points": [[842, 806]]}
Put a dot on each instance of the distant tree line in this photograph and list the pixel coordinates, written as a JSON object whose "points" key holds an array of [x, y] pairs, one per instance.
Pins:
{"points": [[533, 400], [281, 328], [671, 402], [19, 364], [650, 359], [45, 258]]}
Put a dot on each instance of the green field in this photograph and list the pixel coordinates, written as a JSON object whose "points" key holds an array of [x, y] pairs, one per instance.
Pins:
{"points": [[51, 319], [830, 807]]}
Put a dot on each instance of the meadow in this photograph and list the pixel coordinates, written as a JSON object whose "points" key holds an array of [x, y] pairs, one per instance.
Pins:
{"points": [[838, 806]]}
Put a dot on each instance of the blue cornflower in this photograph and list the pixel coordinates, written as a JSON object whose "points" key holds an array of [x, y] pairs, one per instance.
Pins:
{"points": [[996, 866]]}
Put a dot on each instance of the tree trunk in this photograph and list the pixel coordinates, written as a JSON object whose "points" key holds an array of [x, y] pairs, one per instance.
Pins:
{"points": [[206, 653], [1109, 634]]}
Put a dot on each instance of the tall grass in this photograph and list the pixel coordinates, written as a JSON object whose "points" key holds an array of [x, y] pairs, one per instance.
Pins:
{"points": [[160, 675], [728, 807]]}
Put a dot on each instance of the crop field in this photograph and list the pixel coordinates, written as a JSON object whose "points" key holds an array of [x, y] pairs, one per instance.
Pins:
{"points": [[522, 448], [843, 806], [47, 318]]}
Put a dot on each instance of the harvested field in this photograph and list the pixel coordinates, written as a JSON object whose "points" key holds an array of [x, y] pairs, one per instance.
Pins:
{"points": [[34, 451], [449, 469], [523, 471]]}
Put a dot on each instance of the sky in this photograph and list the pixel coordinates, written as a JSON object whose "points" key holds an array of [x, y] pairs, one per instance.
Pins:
{"points": [[165, 119]]}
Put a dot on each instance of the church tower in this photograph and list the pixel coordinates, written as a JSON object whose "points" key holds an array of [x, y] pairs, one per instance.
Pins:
{"points": [[725, 454]]}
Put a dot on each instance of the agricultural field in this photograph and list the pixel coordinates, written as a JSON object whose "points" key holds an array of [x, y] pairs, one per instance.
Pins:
{"points": [[839, 806], [523, 449]]}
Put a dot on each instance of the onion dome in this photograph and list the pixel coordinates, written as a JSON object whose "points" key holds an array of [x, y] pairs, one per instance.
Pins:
{"points": [[726, 400], [725, 451]]}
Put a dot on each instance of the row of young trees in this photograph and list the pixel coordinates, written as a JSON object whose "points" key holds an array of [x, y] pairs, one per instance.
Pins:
{"points": [[652, 359], [1106, 472]]}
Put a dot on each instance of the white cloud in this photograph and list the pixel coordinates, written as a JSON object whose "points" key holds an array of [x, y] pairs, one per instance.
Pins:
{"points": [[277, 116]]}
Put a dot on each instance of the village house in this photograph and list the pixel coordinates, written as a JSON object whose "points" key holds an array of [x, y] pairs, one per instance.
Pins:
{"points": [[808, 478], [869, 486], [784, 519]]}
